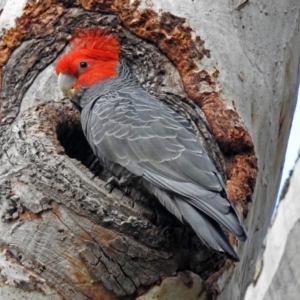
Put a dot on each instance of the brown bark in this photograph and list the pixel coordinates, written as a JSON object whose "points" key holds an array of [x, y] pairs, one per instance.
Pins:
{"points": [[58, 220]]}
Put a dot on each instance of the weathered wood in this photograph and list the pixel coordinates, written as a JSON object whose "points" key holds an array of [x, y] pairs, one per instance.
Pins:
{"points": [[58, 217], [58, 220]]}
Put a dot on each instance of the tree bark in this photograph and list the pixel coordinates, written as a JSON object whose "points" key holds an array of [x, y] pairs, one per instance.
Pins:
{"points": [[234, 78], [277, 273]]}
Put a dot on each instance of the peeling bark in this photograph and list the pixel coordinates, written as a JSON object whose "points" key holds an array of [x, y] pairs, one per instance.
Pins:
{"points": [[58, 220]]}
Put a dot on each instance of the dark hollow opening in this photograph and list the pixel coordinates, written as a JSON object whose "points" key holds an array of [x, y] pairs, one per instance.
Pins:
{"points": [[72, 139]]}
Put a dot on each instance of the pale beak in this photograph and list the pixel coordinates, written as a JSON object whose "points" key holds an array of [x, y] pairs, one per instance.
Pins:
{"points": [[66, 84]]}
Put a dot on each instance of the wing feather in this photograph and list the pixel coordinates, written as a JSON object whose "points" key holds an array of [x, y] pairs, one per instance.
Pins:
{"points": [[136, 131]]}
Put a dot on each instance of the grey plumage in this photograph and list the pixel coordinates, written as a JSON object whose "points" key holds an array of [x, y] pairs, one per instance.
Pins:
{"points": [[135, 135]]}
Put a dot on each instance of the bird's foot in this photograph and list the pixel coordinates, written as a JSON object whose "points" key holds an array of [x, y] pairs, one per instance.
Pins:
{"points": [[113, 182], [126, 191]]}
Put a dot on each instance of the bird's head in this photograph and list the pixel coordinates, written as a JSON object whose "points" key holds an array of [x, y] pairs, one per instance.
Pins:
{"points": [[93, 57]]}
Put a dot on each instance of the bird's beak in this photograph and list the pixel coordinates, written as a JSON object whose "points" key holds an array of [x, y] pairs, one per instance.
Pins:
{"points": [[66, 84]]}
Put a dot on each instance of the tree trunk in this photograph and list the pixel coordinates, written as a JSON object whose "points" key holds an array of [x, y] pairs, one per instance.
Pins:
{"points": [[277, 271], [230, 69]]}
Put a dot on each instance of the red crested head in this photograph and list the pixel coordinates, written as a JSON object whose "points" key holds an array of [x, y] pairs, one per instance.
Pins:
{"points": [[93, 57]]}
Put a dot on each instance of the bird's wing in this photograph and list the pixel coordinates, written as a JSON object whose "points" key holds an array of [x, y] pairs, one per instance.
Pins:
{"points": [[138, 132], [135, 130]]}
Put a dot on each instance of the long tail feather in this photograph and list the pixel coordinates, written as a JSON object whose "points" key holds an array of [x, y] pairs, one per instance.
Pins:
{"points": [[207, 229]]}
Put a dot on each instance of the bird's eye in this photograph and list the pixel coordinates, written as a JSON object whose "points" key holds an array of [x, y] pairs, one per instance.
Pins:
{"points": [[83, 64]]}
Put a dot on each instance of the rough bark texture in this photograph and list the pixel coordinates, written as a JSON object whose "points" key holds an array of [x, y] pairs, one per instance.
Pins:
{"points": [[59, 225]]}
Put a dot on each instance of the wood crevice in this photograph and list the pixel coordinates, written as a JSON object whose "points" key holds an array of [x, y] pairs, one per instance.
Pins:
{"points": [[42, 137]]}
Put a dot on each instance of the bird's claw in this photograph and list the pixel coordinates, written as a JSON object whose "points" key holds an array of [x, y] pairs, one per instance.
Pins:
{"points": [[113, 182], [126, 191]]}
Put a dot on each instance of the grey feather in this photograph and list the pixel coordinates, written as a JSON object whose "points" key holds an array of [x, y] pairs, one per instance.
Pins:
{"points": [[208, 230], [128, 127]]}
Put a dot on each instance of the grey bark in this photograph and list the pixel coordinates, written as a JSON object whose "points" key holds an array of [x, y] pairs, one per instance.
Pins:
{"points": [[58, 219], [63, 233], [277, 274]]}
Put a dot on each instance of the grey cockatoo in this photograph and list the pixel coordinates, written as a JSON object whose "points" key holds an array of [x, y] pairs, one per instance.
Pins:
{"points": [[136, 137]]}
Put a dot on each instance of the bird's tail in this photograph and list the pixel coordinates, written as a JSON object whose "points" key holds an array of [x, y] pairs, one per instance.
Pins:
{"points": [[207, 229]]}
